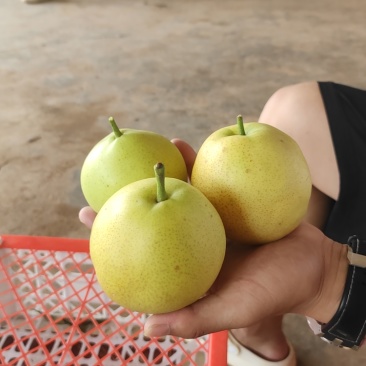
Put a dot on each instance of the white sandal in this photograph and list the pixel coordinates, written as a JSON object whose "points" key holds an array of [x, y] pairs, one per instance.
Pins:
{"points": [[238, 355]]}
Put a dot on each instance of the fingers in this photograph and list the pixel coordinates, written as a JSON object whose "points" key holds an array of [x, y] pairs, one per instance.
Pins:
{"points": [[188, 153], [239, 298], [190, 322], [203, 317], [87, 216]]}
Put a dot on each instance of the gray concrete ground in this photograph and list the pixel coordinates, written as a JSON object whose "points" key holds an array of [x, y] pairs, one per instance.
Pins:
{"points": [[180, 68]]}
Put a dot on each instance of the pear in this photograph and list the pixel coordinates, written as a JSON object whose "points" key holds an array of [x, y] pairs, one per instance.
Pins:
{"points": [[125, 156], [157, 245], [257, 178]]}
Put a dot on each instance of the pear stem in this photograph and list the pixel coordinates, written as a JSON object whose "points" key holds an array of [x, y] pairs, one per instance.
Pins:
{"points": [[240, 123], [116, 130], [161, 194]]}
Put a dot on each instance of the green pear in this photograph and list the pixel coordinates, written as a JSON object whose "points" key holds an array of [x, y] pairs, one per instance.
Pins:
{"points": [[257, 178], [157, 245], [123, 157]]}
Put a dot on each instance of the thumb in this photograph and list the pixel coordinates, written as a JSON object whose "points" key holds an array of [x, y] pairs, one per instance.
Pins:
{"points": [[208, 315]]}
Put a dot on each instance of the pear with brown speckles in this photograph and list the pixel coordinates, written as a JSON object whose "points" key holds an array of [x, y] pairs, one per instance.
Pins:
{"points": [[257, 178], [157, 245]]}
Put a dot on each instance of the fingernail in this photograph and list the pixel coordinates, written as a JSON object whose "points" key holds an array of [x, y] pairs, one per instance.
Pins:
{"points": [[157, 330]]}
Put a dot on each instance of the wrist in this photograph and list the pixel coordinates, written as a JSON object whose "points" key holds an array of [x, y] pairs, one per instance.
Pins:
{"points": [[347, 327], [332, 283]]}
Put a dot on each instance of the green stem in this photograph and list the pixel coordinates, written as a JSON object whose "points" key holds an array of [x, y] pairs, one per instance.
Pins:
{"points": [[116, 130], [240, 123], [161, 194]]}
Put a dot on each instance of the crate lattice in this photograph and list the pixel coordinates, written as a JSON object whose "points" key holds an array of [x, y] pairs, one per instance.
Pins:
{"points": [[53, 312]]}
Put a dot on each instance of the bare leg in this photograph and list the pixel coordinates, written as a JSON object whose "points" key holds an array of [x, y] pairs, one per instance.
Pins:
{"points": [[265, 339], [298, 110]]}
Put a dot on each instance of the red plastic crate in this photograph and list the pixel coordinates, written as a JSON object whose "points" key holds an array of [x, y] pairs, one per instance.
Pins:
{"points": [[53, 312]]}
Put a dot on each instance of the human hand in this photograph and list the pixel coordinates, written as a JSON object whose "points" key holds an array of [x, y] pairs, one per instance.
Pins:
{"points": [[302, 273]]}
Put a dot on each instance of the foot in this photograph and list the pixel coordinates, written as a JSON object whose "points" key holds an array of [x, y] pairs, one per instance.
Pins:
{"points": [[238, 355], [265, 339], [270, 348]]}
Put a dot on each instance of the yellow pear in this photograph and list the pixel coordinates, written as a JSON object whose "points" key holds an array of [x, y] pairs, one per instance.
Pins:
{"points": [[257, 178], [123, 157], [157, 245]]}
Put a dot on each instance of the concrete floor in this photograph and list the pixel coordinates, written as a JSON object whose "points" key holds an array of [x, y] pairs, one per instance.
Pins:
{"points": [[179, 68]]}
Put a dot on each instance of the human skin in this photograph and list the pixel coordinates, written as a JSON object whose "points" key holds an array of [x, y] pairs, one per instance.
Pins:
{"points": [[252, 296], [302, 273]]}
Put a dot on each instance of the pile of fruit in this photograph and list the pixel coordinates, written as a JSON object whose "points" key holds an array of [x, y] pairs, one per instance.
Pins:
{"points": [[159, 238]]}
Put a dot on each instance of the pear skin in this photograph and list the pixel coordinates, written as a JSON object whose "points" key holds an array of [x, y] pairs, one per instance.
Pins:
{"points": [[259, 182], [156, 257], [123, 157]]}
